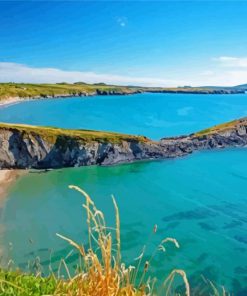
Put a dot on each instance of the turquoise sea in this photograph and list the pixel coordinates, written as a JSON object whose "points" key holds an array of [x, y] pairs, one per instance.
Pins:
{"points": [[201, 200]]}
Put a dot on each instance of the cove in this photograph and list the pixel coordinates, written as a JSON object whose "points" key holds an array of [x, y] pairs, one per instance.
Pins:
{"points": [[200, 200]]}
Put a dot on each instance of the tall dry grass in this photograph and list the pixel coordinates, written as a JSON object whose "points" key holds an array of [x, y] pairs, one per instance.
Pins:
{"points": [[103, 273]]}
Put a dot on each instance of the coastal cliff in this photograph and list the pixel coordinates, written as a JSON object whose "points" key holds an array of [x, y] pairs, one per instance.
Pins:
{"points": [[24, 147]]}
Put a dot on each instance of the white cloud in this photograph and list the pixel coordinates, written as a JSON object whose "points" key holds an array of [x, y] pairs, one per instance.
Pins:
{"points": [[12, 72], [221, 78], [235, 62], [122, 21]]}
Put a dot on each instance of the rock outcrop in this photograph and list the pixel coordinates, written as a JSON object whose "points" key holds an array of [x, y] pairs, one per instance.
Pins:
{"points": [[25, 147]]}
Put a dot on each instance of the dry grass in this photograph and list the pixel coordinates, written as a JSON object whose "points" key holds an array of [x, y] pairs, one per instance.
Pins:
{"points": [[101, 271]]}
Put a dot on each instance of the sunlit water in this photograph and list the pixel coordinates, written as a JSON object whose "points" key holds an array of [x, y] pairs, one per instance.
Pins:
{"points": [[200, 199]]}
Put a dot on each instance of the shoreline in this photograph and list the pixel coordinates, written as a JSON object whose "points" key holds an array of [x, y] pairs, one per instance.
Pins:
{"points": [[15, 100], [11, 101], [7, 178]]}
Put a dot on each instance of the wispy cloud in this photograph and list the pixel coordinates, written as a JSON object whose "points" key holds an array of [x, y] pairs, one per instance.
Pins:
{"points": [[122, 21], [13, 72], [235, 62], [220, 77]]}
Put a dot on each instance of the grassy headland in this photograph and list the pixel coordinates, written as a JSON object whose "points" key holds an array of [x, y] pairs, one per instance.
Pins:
{"points": [[52, 134], [27, 90]]}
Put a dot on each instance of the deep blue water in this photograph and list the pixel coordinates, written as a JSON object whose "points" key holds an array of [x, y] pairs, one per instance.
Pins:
{"points": [[201, 200]]}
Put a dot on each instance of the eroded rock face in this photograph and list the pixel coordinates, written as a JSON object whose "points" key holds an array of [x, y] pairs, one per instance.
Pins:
{"points": [[25, 150]]}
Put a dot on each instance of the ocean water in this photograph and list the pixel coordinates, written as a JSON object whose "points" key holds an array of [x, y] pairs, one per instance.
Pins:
{"points": [[201, 200], [154, 115]]}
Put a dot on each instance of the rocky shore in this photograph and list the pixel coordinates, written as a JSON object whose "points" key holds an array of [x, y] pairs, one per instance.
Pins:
{"points": [[24, 147]]}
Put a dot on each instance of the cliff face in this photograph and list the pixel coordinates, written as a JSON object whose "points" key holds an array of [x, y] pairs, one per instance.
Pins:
{"points": [[233, 136], [30, 147]]}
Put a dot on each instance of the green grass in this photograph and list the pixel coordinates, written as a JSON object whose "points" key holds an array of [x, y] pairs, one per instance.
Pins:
{"points": [[52, 134], [15, 283], [221, 127]]}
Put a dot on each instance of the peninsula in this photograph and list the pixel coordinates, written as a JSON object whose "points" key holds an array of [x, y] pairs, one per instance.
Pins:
{"points": [[24, 146], [10, 92]]}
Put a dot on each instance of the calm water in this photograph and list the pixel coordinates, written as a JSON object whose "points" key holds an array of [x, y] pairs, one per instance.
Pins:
{"points": [[201, 200], [155, 115]]}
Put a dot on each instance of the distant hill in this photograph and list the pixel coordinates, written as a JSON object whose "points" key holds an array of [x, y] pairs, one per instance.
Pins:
{"points": [[10, 91], [241, 86], [236, 87]]}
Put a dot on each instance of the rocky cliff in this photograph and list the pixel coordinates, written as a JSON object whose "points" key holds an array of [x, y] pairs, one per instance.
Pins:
{"points": [[23, 146]]}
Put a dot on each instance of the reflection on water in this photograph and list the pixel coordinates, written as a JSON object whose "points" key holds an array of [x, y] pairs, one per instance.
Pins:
{"points": [[200, 200]]}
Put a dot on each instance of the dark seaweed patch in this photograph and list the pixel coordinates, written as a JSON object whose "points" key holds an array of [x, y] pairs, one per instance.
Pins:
{"points": [[196, 214], [233, 224], [241, 239], [206, 226]]}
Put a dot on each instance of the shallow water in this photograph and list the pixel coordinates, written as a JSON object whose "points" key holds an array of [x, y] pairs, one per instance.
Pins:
{"points": [[200, 199]]}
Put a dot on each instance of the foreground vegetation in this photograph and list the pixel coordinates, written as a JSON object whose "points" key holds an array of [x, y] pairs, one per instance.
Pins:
{"points": [[28, 90], [100, 268]]}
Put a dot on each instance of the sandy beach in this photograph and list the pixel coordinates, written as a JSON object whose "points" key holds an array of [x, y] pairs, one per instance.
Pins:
{"points": [[10, 101], [7, 177]]}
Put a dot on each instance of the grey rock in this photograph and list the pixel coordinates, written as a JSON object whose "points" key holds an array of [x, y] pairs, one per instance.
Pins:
{"points": [[24, 150]]}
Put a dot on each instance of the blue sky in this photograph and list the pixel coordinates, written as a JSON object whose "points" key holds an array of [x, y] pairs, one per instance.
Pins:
{"points": [[146, 43]]}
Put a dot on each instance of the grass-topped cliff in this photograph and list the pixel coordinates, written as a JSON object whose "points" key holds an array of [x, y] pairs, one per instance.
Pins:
{"points": [[24, 146], [219, 128], [27, 90], [52, 134]]}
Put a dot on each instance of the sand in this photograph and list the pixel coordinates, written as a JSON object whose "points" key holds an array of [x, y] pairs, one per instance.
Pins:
{"points": [[7, 178], [10, 101]]}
